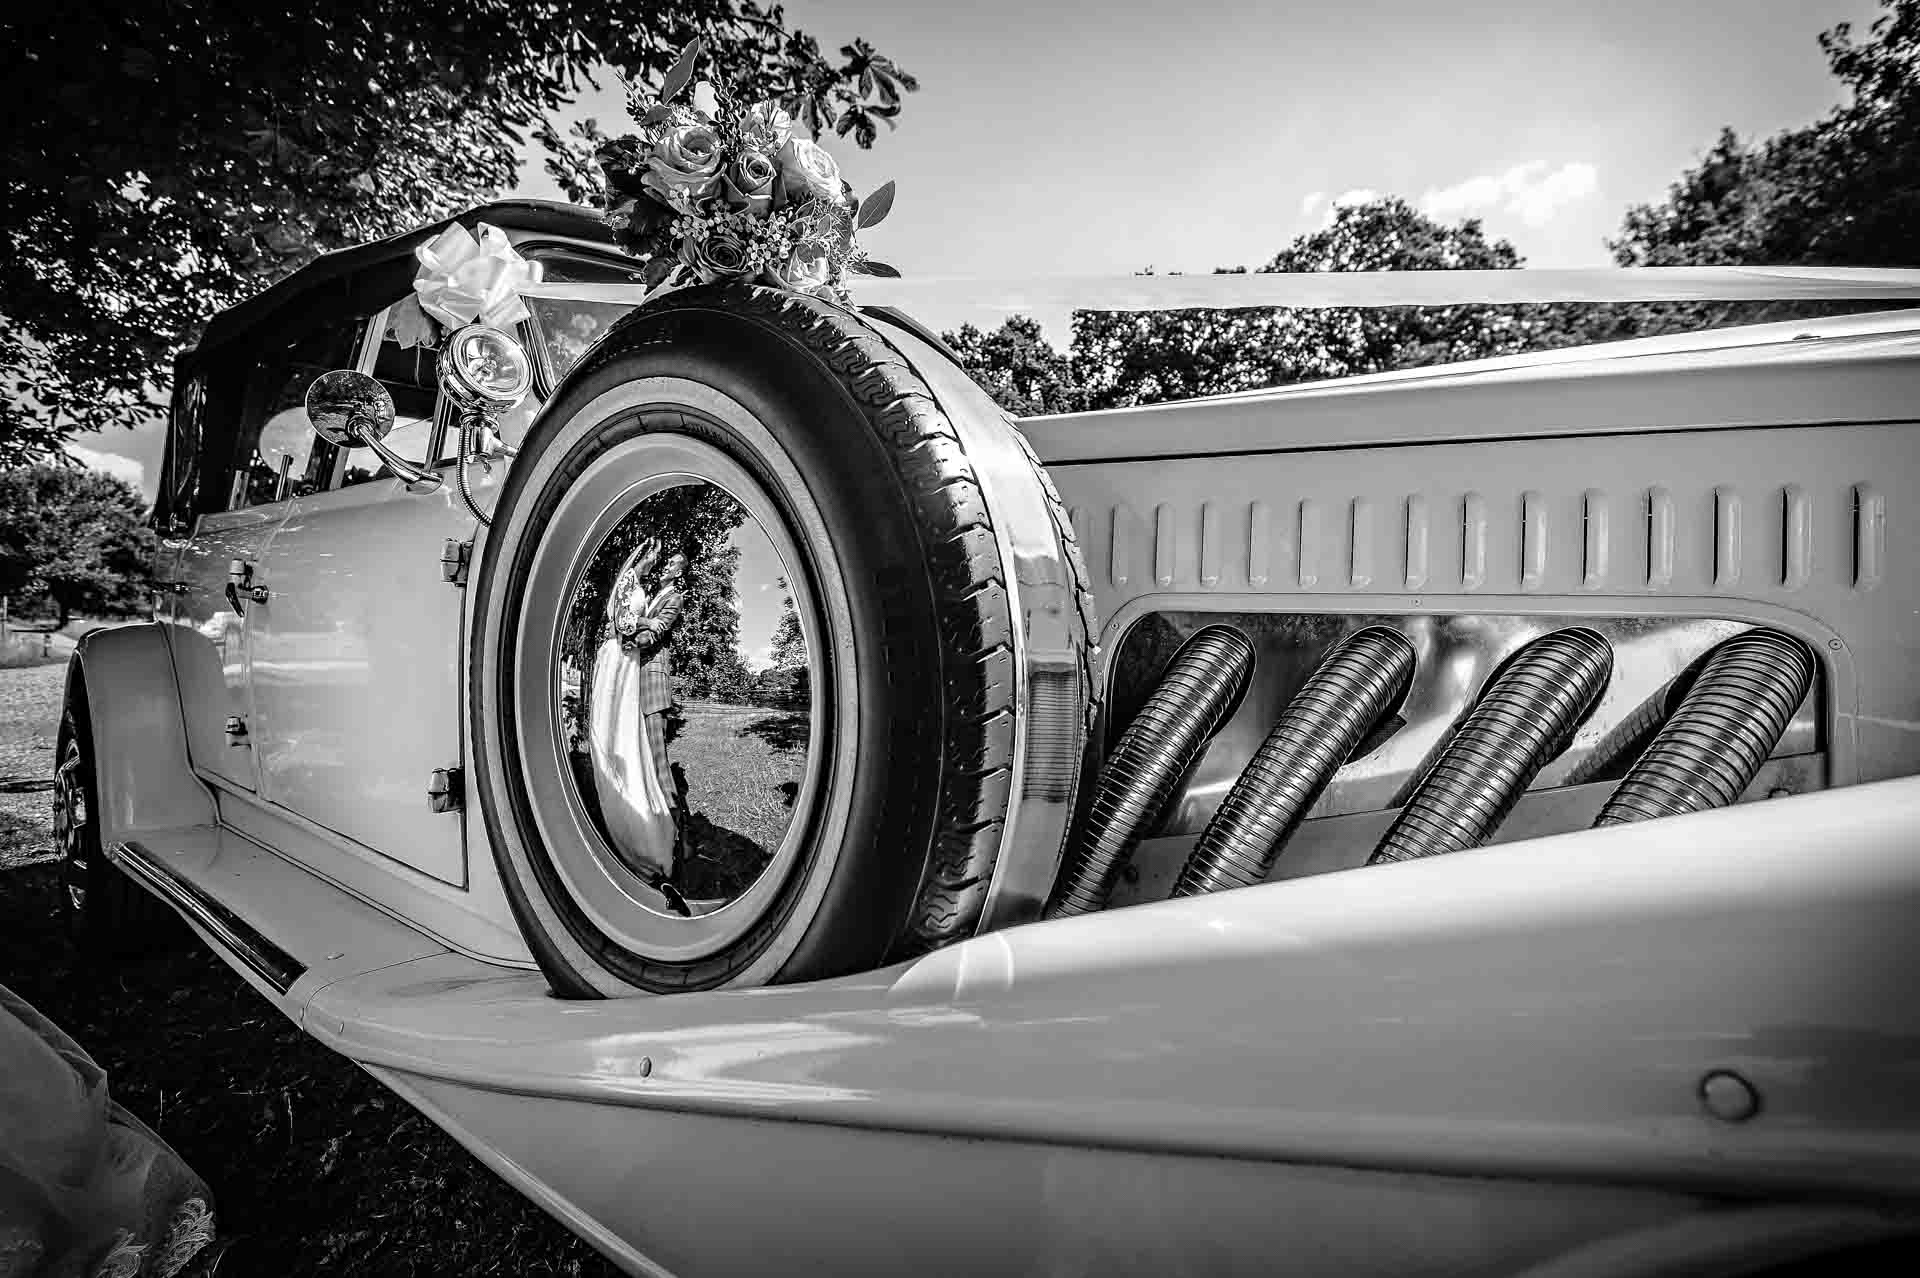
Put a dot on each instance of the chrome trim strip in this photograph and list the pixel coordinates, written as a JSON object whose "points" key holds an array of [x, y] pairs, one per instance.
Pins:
{"points": [[268, 961]]}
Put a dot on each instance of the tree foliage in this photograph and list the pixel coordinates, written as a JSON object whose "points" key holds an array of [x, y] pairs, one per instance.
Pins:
{"points": [[1842, 191], [1121, 358], [1018, 368], [167, 162], [72, 539], [695, 520]]}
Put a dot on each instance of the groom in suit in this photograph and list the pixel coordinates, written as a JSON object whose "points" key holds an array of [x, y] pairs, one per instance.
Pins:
{"points": [[653, 635]]}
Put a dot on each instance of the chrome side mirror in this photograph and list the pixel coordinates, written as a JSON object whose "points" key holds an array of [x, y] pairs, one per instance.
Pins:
{"points": [[352, 410]]}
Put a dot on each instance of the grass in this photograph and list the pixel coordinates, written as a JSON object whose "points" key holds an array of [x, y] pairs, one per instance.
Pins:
{"points": [[315, 1168], [740, 775]]}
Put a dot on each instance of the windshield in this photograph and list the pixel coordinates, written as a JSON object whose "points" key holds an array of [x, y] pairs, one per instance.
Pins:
{"points": [[566, 322], [566, 326]]}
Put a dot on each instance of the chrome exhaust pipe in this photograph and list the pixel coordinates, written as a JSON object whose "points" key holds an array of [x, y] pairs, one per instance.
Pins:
{"points": [[1359, 683], [1198, 692], [1714, 742], [1521, 721]]}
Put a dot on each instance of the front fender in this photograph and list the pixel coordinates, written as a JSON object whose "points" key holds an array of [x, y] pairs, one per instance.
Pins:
{"points": [[143, 779]]}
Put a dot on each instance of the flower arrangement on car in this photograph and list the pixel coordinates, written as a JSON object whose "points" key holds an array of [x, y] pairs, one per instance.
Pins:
{"points": [[711, 188]]}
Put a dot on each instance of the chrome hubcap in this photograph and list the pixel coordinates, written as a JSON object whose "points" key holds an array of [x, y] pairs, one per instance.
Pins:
{"points": [[70, 822], [689, 695]]}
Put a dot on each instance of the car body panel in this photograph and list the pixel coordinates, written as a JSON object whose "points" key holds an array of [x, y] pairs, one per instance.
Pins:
{"points": [[1530, 1027], [1805, 529], [142, 776], [1468, 1063], [211, 648], [356, 669], [1806, 375]]}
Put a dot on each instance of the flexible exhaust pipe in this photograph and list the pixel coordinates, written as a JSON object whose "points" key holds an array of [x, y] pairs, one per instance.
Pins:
{"points": [[1198, 692], [1359, 683], [1522, 720], [1714, 742]]}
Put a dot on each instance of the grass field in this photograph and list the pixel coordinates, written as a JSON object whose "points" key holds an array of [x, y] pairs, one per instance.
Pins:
{"points": [[315, 1168], [29, 719], [743, 765]]}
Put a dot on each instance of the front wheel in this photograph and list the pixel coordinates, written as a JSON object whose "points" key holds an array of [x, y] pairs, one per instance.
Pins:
{"points": [[779, 659]]}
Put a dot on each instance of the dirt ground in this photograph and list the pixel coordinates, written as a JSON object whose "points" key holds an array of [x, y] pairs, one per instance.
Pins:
{"points": [[315, 1168]]}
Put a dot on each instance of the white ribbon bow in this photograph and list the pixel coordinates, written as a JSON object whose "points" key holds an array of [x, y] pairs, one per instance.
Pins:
{"points": [[467, 281]]}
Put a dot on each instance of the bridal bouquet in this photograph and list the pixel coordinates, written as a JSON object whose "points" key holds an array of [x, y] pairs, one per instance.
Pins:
{"points": [[712, 189]]}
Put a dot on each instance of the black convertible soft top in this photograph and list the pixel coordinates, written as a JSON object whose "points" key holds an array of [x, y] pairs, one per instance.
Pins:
{"points": [[351, 281], [327, 274]]}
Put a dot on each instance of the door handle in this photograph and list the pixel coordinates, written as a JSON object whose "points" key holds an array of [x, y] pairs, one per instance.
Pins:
{"points": [[240, 582]]}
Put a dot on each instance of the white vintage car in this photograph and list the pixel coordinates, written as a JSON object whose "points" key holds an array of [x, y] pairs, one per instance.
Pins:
{"points": [[1461, 821]]}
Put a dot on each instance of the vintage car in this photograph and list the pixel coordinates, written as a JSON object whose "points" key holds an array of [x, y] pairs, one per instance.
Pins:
{"points": [[1063, 843]]}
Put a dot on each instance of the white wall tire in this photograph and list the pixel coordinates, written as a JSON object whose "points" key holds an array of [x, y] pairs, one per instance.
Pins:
{"points": [[944, 605]]}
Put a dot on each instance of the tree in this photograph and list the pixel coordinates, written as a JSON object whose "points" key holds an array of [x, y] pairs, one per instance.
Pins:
{"points": [[788, 650], [1120, 358], [695, 520], [1844, 190], [787, 681], [75, 539], [169, 161], [1016, 365]]}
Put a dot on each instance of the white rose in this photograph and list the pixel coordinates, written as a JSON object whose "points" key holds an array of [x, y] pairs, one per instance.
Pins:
{"points": [[806, 269], [806, 167], [685, 163]]}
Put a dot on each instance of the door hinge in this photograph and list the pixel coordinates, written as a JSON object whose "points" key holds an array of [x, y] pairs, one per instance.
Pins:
{"points": [[240, 582], [453, 560], [236, 730], [445, 790]]}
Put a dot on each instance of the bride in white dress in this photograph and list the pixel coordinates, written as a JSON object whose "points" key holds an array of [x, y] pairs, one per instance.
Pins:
{"points": [[635, 810]]}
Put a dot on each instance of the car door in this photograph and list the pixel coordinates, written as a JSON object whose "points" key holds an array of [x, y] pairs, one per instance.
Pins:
{"points": [[356, 659], [239, 414]]}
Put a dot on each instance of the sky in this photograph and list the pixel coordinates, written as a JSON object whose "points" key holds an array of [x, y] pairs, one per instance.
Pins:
{"points": [[1092, 139]]}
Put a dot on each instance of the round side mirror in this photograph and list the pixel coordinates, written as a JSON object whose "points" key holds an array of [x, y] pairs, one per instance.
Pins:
{"points": [[349, 409]]}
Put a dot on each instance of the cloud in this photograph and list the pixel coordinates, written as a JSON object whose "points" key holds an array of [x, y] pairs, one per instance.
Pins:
{"points": [[112, 463], [1357, 195], [1531, 192], [1311, 201]]}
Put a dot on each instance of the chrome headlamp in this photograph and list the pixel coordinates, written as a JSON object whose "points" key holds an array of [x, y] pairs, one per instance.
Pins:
{"points": [[484, 368]]}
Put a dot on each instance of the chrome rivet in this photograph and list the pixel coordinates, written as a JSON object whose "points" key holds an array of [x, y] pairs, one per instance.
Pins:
{"points": [[1834, 644], [1729, 1097], [646, 1066]]}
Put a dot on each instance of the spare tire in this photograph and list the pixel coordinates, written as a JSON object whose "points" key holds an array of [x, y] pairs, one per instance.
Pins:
{"points": [[726, 448]]}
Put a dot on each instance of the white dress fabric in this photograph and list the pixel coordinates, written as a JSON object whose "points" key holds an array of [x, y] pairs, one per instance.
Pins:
{"points": [[637, 813], [86, 1189]]}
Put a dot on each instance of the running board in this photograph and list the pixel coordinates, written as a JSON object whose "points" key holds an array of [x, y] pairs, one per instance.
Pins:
{"points": [[241, 939], [286, 930]]}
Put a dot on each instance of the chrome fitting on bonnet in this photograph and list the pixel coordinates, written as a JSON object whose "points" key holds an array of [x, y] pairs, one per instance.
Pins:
{"points": [[1198, 692], [1522, 720], [1359, 683], [1724, 728]]}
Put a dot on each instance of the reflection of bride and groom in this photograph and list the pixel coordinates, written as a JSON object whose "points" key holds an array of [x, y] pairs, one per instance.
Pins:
{"points": [[631, 692]]}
